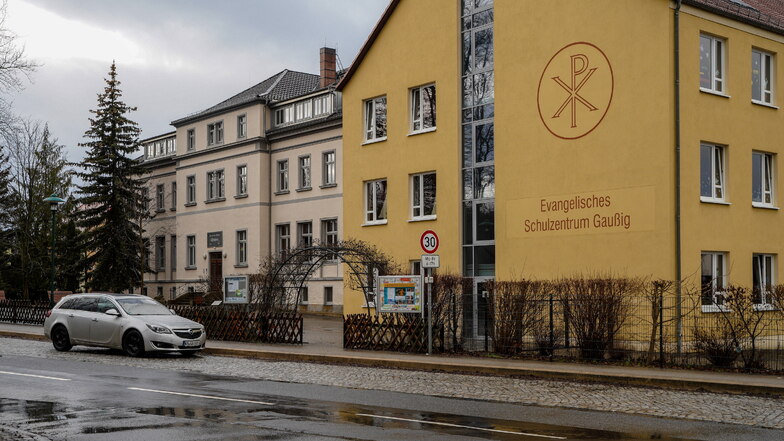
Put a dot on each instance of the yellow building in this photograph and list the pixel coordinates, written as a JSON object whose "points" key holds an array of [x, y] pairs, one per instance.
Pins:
{"points": [[639, 138]]}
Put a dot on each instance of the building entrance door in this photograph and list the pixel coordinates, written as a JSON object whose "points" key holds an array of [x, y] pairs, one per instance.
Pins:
{"points": [[216, 272], [477, 317]]}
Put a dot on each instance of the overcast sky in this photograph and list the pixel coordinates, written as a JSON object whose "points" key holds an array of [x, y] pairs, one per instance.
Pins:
{"points": [[174, 57]]}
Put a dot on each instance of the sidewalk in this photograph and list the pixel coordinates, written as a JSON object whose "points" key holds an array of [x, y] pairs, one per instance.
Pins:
{"points": [[323, 344]]}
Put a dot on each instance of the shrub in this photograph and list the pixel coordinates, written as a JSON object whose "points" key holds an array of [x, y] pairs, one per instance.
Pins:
{"points": [[717, 344]]}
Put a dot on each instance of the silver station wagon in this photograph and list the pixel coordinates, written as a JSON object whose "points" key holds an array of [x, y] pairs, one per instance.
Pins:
{"points": [[134, 323]]}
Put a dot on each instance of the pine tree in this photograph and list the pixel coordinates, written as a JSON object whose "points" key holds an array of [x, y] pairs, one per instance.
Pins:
{"points": [[112, 197]]}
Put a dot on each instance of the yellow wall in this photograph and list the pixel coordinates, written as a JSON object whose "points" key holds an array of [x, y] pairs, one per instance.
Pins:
{"points": [[417, 46]]}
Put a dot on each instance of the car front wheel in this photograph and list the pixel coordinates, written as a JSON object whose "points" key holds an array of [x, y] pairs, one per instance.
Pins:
{"points": [[60, 339], [133, 343]]}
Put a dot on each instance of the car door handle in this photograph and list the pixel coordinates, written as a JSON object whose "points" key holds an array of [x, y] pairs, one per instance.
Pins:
{"points": [[70, 315], [95, 319]]}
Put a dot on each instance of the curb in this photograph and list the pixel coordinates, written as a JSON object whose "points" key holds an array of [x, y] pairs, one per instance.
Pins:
{"points": [[475, 369]]}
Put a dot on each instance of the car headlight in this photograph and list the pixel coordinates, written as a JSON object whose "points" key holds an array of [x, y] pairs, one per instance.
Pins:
{"points": [[159, 329]]}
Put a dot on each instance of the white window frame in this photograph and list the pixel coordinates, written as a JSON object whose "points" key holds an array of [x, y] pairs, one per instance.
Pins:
{"points": [[305, 233], [191, 139], [242, 180], [280, 238], [216, 189], [322, 105], [331, 296], [329, 237], [721, 163], [191, 250], [760, 269], [719, 265], [283, 175], [767, 182], [767, 63], [305, 180], [718, 82], [242, 126], [416, 103], [174, 196], [242, 248], [215, 133], [160, 197], [369, 121], [371, 197], [421, 190], [190, 189], [329, 173]]}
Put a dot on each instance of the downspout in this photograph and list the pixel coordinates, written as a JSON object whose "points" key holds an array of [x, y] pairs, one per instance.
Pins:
{"points": [[678, 251], [270, 228]]}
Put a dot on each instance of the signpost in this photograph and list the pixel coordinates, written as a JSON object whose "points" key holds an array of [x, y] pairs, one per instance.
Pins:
{"points": [[235, 290], [399, 294], [429, 243]]}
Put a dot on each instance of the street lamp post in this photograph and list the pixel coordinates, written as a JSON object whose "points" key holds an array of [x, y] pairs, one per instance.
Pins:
{"points": [[54, 203]]}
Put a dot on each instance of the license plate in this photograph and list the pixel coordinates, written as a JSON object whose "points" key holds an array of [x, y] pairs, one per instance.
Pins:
{"points": [[191, 343]]}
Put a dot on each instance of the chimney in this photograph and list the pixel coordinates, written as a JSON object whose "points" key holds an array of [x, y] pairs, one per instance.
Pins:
{"points": [[328, 74]]}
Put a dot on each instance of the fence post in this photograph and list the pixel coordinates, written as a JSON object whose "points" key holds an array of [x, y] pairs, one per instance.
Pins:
{"points": [[565, 307], [661, 328], [487, 329], [552, 329]]}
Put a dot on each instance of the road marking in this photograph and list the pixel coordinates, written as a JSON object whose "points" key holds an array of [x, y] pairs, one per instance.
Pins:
{"points": [[437, 423], [35, 376], [211, 397]]}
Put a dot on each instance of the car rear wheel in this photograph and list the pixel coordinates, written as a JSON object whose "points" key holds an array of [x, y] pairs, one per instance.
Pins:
{"points": [[60, 339], [133, 343]]}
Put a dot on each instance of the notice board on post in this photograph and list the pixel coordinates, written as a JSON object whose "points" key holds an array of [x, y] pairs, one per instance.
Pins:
{"points": [[235, 290], [399, 294]]}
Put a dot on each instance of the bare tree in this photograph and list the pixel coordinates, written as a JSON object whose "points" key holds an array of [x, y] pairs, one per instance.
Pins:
{"points": [[14, 66]]}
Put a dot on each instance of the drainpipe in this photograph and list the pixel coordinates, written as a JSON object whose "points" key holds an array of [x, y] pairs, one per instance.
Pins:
{"points": [[270, 180], [678, 251]]}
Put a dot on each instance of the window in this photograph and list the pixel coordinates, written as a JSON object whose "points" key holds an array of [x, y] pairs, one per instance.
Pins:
{"points": [[762, 75], [327, 295], [764, 278], [159, 292], [215, 185], [304, 110], [712, 175], [242, 180], [416, 267], [712, 61], [215, 133], [174, 196], [714, 278], [191, 263], [160, 253], [762, 179], [242, 126], [304, 172], [423, 196], [242, 247], [376, 201], [160, 193], [423, 108], [376, 119], [191, 139], [305, 234], [303, 295], [284, 116], [190, 184], [329, 174], [173, 252], [322, 105], [329, 234], [283, 238], [283, 175]]}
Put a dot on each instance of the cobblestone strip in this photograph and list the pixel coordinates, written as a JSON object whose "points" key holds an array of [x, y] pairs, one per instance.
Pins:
{"points": [[704, 406]]}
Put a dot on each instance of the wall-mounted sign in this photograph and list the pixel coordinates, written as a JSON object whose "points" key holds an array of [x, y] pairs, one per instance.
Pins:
{"points": [[400, 294], [575, 90], [235, 289], [215, 239]]}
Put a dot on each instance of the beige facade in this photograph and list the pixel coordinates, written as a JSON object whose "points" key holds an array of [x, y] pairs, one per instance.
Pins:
{"points": [[225, 210]]}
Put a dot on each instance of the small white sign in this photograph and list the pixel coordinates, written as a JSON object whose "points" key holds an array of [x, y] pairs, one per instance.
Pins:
{"points": [[431, 261]]}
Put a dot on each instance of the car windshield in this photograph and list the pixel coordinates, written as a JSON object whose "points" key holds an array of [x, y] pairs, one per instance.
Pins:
{"points": [[142, 306]]}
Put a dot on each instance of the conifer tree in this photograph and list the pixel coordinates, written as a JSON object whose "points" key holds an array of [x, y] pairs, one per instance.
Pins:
{"points": [[112, 197]]}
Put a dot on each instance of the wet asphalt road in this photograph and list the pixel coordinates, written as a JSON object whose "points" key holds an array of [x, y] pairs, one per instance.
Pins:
{"points": [[43, 399]]}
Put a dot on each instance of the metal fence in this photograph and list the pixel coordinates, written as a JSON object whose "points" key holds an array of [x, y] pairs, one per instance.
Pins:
{"points": [[23, 312], [239, 323]]}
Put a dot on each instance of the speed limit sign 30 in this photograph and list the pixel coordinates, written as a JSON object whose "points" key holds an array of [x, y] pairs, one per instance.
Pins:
{"points": [[429, 242]]}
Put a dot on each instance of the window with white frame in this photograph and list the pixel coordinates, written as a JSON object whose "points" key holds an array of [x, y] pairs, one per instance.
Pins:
{"points": [[712, 62], [304, 172], [322, 105], [376, 201], [283, 175], [423, 196], [242, 126], [242, 247], [376, 119], [762, 181], [283, 238], [327, 295], [764, 268], [160, 195], [215, 133], [303, 110], [329, 174], [190, 187], [762, 76], [284, 115], [215, 185], [714, 278], [191, 245], [173, 195], [329, 234], [191, 143], [242, 180], [305, 233], [303, 295], [712, 173], [160, 253], [423, 108]]}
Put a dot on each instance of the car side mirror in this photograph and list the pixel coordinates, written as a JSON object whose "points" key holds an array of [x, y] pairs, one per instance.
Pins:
{"points": [[112, 311]]}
